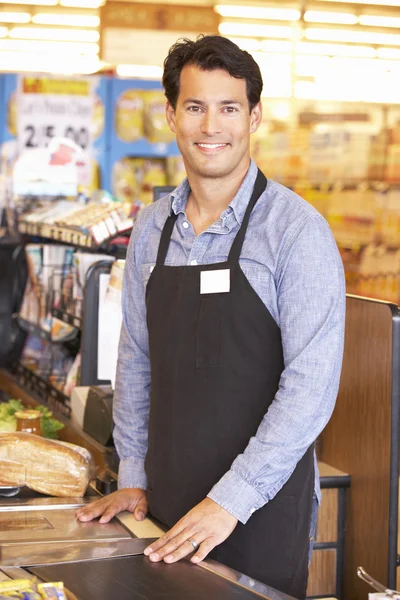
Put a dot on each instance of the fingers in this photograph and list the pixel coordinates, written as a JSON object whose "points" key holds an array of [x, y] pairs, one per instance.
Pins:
{"points": [[187, 548], [132, 499], [141, 509], [203, 551], [171, 547], [155, 548], [92, 510]]}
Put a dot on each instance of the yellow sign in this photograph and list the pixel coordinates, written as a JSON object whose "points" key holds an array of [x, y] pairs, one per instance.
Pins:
{"points": [[43, 85]]}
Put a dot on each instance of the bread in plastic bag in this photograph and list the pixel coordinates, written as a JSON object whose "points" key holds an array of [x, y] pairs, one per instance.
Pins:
{"points": [[46, 466]]}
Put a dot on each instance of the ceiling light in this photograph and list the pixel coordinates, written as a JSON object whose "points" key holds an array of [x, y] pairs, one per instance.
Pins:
{"points": [[14, 17], [276, 46], [335, 50], [71, 48], [246, 43], [318, 16], [20, 61], [274, 31], [373, 21], [39, 3], [63, 35], [388, 53], [82, 3], [376, 2], [143, 71], [3, 31], [258, 12], [67, 20], [341, 35]]}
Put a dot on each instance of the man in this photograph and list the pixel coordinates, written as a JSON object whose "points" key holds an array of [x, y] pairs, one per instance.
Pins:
{"points": [[232, 339]]}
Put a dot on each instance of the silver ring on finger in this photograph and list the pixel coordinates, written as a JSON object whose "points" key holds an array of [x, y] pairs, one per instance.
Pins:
{"points": [[194, 544]]}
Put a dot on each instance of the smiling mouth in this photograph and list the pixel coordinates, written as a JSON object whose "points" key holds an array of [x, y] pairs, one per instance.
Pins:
{"points": [[206, 146]]}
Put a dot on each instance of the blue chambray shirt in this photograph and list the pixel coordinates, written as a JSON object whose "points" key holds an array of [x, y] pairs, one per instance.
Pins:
{"points": [[292, 262]]}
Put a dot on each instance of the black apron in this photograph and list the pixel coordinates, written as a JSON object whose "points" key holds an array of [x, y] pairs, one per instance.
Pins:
{"points": [[216, 361]]}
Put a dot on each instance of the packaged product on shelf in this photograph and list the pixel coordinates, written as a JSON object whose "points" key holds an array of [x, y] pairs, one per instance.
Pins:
{"points": [[176, 171], [127, 175], [156, 128], [129, 116], [82, 262], [46, 466], [98, 117], [154, 173], [72, 377]]}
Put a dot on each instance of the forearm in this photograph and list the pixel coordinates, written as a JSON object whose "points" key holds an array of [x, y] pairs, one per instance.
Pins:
{"points": [[311, 299], [131, 415], [132, 387]]}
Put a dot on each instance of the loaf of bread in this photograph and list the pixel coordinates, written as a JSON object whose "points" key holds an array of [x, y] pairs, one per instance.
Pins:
{"points": [[46, 466]]}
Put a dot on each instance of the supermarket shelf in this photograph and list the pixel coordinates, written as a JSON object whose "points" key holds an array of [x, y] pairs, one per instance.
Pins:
{"points": [[34, 329], [50, 395], [66, 235], [67, 318], [30, 327]]}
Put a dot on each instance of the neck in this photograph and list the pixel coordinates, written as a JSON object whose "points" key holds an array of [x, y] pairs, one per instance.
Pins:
{"points": [[209, 197]]}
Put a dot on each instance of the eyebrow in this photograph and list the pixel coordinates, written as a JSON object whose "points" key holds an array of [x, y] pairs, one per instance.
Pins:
{"points": [[222, 103]]}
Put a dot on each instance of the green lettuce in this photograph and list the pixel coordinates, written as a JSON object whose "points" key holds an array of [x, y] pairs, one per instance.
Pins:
{"points": [[8, 422]]}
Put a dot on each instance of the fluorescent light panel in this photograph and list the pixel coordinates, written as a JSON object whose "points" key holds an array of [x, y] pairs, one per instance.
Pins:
{"points": [[258, 12], [20, 61], [390, 53], [38, 47], [15, 17], [378, 21], [335, 50], [63, 35], [246, 29], [34, 2], [3, 32], [66, 20], [248, 44], [145, 71], [82, 3], [341, 35], [319, 16], [276, 46], [375, 2]]}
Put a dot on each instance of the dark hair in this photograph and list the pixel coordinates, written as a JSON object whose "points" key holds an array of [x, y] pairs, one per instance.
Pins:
{"points": [[210, 52]]}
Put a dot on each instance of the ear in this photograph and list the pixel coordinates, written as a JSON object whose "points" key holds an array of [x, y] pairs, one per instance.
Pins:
{"points": [[255, 117], [170, 115]]}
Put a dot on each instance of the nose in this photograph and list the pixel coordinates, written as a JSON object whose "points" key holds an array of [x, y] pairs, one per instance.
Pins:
{"points": [[211, 123]]}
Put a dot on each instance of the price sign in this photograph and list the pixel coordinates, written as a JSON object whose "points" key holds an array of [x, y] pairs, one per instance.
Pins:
{"points": [[51, 107]]}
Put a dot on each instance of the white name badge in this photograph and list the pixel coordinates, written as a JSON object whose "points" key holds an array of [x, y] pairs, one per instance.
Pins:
{"points": [[215, 282]]}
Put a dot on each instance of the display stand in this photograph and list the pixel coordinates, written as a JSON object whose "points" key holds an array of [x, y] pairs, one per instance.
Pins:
{"points": [[90, 325], [362, 439]]}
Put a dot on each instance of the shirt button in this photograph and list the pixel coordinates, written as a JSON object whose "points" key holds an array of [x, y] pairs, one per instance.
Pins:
{"points": [[193, 262], [253, 510], [185, 224]]}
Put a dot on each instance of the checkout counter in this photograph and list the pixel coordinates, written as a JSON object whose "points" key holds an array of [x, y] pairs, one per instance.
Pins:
{"points": [[40, 536]]}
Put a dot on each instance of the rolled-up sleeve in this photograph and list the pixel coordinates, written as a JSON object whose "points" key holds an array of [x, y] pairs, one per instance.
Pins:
{"points": [[132, 385], [311, 302]]}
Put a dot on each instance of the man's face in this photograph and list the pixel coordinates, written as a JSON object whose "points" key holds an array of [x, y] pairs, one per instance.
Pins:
{"points": [[213, 123]]}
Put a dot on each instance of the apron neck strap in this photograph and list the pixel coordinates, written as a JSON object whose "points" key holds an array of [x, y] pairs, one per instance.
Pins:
{"points": [[259, 187], [165, 239], [236, 249]]}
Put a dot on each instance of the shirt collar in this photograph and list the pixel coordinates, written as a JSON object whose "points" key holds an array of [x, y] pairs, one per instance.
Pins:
{"points": [[237, 206]]}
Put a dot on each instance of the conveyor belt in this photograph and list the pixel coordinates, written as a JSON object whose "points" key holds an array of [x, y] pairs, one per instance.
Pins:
{"points": [[136, 578]]}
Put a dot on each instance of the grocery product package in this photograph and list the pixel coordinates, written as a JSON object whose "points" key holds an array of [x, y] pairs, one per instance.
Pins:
{"points": [[46, 466], [156, 128], [129, 115]]}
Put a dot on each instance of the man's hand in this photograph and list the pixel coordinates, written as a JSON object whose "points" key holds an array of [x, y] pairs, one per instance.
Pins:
{"points": [[207, 524], [132, 499]]}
